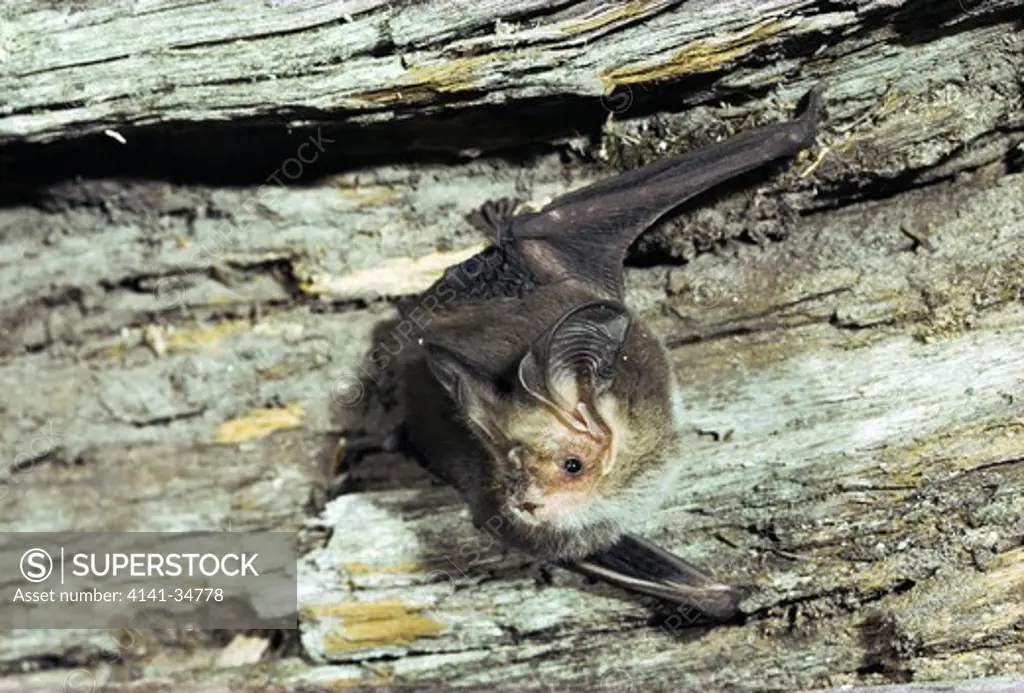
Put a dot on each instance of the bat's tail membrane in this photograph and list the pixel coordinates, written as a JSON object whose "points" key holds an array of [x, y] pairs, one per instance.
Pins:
{"points": [[638, 565]]}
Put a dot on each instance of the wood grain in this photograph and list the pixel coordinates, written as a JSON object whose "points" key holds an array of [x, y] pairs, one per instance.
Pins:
{"points": [[208, 210]]}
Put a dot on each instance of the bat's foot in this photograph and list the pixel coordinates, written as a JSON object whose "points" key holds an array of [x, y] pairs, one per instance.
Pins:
{"points": [[349, 452], [638, 565], [495, 219]]}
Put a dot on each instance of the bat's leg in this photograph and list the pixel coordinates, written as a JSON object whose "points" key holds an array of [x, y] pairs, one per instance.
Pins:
{"points": [[494, 218], [638, 565]]}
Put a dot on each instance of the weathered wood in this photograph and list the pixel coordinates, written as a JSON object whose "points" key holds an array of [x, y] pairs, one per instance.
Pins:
{"points": [[869, 485], [371, 60], [186, 354]]}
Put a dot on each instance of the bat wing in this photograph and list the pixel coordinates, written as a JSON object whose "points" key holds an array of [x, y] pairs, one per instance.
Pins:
{"points": [[640, 566], [585, 234]]}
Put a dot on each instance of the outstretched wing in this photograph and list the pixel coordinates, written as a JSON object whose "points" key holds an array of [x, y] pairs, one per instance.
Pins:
{"points": [[638, 565], [585, 234]]}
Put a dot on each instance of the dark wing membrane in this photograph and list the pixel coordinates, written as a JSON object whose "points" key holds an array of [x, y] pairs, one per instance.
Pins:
{"points": [[585, 234], [638, 565]]}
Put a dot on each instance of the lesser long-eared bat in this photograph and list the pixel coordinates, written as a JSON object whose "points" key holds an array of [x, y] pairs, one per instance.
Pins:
{"points": [[548, 404]]}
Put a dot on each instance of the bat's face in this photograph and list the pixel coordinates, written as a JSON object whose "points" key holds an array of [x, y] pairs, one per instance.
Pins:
{"points": [[554, 439], [557, 461]]}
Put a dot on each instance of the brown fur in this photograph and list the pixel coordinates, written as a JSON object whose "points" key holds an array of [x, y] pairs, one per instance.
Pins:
{"points": [[502, 444], [497, 337]]}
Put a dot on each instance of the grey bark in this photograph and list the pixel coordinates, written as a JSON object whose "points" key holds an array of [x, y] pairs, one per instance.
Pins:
{"points": [[184, 335]]}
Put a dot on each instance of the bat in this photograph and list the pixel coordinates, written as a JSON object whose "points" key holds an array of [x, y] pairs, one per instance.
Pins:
{"points": [[543, 400]]}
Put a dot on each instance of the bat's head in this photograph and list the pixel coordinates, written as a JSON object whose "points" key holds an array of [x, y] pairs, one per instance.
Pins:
{"points": [[559, 459], [556, 437]]}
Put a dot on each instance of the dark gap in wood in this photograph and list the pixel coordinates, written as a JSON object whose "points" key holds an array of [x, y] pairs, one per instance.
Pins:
{"points": [[912, 25], [251, 151]]}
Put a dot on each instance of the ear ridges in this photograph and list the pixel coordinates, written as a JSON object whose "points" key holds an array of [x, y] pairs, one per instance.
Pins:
{"points": [[446, 366], [574, 361], [586, 342]]}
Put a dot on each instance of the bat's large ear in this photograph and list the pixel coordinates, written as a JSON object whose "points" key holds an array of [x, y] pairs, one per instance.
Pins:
{"points": [[573, 363], [468, 387]]}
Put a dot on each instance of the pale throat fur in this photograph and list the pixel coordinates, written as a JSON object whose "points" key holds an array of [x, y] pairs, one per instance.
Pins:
{"points": [[627, 467]]}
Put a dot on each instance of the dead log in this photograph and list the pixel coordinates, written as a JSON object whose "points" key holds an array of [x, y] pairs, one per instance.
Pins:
{"points": [[207, 211]]}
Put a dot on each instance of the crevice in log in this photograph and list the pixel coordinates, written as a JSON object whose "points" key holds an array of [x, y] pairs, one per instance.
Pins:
{"points": [[993, 465], [247, 152], [56, 455], [158, 420], [924, 21], [279, 33], [70, 659], [550, 9], [244, 151]]}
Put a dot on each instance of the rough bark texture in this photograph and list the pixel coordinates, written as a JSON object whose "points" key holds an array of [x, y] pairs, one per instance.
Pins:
{"points": [[183, 334]]}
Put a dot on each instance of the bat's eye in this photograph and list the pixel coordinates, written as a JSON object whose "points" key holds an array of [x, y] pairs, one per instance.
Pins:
{"points": [[572, 465]]}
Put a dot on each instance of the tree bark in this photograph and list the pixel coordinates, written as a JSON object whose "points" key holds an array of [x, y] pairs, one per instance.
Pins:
{"points": [[209, 209]]}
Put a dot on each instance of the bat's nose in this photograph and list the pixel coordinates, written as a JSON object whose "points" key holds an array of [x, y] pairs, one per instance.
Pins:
{"points": [[529, 507]]}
